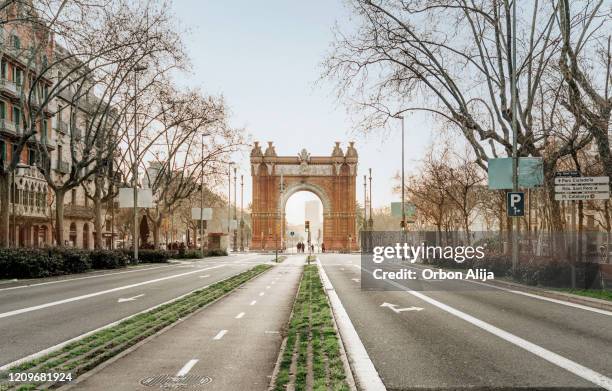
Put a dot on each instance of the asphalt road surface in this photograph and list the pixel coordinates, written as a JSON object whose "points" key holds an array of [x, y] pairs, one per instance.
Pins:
{"points": [[43, 314], [232, 344], [472, 338]]}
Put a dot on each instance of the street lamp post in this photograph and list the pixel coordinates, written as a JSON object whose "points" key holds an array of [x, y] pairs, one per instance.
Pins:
{"points": [[136, 69], [235, 214], [241, 212], [229, 198], [202, 203], [515, 222], [403, 186], [371, 219]]}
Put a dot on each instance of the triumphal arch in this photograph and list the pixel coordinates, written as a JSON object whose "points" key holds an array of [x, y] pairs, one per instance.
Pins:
{"points": [[331, 178]]}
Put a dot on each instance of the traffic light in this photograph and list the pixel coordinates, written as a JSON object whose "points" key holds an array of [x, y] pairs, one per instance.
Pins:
{"points": [[307, 225]]}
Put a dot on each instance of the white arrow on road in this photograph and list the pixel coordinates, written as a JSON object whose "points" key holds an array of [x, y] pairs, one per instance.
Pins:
{"points": [[398, 310], [124, 299]]}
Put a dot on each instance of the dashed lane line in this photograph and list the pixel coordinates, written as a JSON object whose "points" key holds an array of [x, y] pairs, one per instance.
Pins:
{"points": [[240, 315], [220, 335], [186, 368]]}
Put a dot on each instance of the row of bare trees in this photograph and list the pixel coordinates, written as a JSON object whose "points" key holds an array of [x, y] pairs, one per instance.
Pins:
{"points": [[452, 59], [102, 70]]}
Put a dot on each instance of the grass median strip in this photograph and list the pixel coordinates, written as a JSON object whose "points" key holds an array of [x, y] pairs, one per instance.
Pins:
{"points": [[311, 358], [83, 355]]}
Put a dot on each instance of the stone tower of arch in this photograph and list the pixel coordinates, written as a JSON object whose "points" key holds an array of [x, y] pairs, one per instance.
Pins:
{"points": [[331, 178]]}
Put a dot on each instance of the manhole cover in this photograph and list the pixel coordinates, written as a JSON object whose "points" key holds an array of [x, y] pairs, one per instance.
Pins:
{"points": [[174, 382]]}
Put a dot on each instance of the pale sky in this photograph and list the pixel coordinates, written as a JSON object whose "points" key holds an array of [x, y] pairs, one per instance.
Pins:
{"points": [[264, 57]]}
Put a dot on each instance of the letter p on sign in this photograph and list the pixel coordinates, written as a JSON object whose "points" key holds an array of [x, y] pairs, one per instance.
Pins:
{"points": [[515, 204]]}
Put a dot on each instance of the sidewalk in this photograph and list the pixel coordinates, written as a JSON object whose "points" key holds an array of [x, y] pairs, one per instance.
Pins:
{"points": [[231, 345]]}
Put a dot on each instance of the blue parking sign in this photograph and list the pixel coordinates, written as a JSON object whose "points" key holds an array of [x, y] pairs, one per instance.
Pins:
{"points": [[515, 204]]}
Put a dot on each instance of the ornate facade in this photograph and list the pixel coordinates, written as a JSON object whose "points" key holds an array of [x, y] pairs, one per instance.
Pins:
{"points": [[331, 178]]}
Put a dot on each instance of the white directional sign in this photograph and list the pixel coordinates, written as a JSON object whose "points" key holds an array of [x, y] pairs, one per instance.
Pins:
{"points": [[206, 214], [586, 180], [126, 198], [581, 196], [582, 188]]}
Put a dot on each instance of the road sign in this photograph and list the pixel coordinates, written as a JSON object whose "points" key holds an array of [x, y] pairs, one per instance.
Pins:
{"points": [[206, 215], [582, 188], [515, 204], [586, 180], [587, 188], [573, 173], [292, 233], [126, 198], [530, 172], [409, 209], [581, 196]]}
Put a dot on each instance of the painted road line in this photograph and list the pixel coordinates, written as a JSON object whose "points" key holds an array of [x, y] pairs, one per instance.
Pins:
{"points": [[268, 287], [240, 315], [86, 277], [206, 276], [220, 335], [104, 292], [60, 345], [554, 358], [186, 368], [367, 376], [532, 295], [253, 302], [261, 293]]}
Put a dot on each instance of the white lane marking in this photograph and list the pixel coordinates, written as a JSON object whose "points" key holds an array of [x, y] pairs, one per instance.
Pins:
{"points": [[562, 302], [394, 308], [86, 277], [273, 282], [271, 332], [124, 299], [60, 345], [534, 296], [253, 302], [220, 335], [87, 296], [554, 358], [355, 279], [366, 374], [268, 287], [186, 368], [261, 293], [206, 276], [240, 315]]}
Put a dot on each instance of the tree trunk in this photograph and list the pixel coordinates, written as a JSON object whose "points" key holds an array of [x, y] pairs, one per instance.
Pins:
{"points": [[59, 217], [4, 211], [156, 230], [97, 221]]}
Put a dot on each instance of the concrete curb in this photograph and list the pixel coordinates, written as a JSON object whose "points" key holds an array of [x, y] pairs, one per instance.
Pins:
{"points": [[577, 299], [365, 375]]}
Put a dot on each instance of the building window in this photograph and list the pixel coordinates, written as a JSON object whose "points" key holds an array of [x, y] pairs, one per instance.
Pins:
{"points": [[2, 152], [3, 69], [31, 156], [16, 116], [15, 41], [2, 109], [73, 196], [108, 225]]}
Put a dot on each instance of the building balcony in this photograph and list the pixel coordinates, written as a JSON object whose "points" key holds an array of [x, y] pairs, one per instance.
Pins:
{"points": [[29, 172], [10, 127], [62, 127], [10, 87], [78, 211], [29, 211], [63, 167]]}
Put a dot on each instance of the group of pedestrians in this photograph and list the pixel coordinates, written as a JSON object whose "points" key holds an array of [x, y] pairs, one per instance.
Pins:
{"points": [[301, 246]]}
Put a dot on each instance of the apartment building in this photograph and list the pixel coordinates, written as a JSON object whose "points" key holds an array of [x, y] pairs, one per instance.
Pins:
{"points": [[32, 201]]}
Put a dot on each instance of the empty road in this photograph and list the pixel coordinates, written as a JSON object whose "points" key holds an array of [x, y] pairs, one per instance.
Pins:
{"points": [[49, 312], [444, 336]]}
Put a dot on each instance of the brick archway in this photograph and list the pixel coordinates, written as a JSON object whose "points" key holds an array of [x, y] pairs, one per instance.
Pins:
{"points": [[331, 178]]}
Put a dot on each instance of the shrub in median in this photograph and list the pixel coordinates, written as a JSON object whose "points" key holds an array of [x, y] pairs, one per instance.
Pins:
{"points": [[72, 260], [148, 256], [107, 259]]}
